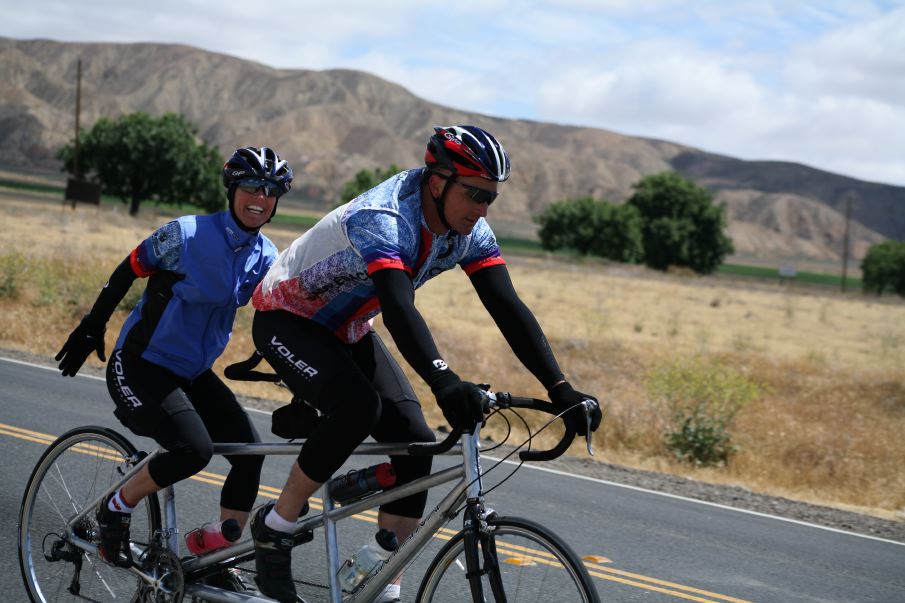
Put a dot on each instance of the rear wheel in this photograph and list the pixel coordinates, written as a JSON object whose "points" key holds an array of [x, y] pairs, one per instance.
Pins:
{"points": [[534, 565], [73, 472]]}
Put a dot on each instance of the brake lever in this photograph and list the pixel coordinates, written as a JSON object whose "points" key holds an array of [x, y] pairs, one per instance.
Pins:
{"points": [[587, 405]]}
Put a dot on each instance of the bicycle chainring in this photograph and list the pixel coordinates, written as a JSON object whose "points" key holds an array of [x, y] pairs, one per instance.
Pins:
{"points": [[169, 580]]}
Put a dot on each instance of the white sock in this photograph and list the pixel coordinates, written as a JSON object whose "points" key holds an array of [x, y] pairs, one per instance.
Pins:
{"points": [[275, 522], [118, 503], [390, 593]]}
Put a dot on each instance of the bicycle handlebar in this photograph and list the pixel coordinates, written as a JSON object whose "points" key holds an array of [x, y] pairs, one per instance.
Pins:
{"points": [[429, 449], [501, 400], [243, 371], [507, 400]]}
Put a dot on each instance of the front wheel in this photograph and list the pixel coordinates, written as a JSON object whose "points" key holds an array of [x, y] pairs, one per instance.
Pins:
{"points": [[534, 565], [75, 470]]}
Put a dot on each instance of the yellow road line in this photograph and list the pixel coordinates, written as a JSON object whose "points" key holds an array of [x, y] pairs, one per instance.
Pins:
{"points": [[23, 436], [609, 573], [524, 553]]}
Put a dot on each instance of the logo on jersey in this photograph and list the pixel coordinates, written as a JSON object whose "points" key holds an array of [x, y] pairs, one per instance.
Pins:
{"points": [[440, 365]]}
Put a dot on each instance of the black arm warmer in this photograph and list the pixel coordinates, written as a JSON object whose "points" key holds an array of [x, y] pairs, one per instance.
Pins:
{"points": [[516, 323], [402, 319], [112, 293]]}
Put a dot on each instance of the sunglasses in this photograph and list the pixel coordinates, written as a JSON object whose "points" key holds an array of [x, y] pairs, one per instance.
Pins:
{"points": [[477, 194], [253, 185]]}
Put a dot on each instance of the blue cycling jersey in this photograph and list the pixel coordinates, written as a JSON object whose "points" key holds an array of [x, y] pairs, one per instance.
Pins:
{"points": [[201, 269]]}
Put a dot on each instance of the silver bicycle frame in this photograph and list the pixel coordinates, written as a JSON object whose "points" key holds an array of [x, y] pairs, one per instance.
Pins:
{"points": [[468, 488]]}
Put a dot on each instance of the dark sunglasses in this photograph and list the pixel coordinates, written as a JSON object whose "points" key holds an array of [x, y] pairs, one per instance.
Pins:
{"points": [[253, 185], [478, 195]]}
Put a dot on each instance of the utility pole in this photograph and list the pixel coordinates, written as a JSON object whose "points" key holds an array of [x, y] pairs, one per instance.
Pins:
{"points": [[78, 110], [845, 245], [76, 189]]}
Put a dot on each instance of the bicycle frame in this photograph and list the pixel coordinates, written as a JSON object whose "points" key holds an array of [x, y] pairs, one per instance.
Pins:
{"points": [[466, 493], [468, 488]]}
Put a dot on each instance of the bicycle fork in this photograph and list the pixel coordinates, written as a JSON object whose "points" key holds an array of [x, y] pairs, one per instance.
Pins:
{"points": [[480, 545], [481, 555]]}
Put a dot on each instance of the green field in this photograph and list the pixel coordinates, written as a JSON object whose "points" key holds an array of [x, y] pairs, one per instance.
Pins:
{"points": [[509, 245], [810, 278]]}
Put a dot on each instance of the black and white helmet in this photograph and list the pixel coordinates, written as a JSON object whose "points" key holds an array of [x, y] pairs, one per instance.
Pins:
{"points": [[252, 163]]}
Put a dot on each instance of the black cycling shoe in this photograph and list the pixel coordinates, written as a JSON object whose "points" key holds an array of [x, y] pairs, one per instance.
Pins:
{"points": [[273, 559], [113, 535]]}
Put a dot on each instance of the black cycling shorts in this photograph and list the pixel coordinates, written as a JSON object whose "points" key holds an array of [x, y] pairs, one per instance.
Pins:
{"points": [[185, 418], [361, 389]]}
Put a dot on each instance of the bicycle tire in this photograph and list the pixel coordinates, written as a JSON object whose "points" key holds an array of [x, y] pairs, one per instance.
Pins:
{"points": [[535, 565], [74, 470]]}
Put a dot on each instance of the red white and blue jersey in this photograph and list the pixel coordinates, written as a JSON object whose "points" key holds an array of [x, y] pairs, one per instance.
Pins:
{"points": [[325, 275]]}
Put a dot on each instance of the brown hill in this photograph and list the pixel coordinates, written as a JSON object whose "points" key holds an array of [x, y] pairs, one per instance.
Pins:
{"points": [[339, 121]]}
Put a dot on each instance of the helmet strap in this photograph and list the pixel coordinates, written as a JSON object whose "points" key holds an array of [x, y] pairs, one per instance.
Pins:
{"points": [[274, 212], [439, 201]]}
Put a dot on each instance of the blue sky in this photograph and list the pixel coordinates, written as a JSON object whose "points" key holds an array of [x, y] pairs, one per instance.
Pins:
{"points": [[817, 82]]}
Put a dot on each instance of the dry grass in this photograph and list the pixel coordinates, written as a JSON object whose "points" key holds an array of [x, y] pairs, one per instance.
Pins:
{"points": [[827, 428]]}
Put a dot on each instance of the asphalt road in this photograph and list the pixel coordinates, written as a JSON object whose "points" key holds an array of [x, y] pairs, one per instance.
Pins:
{"points": [[647, 546]]}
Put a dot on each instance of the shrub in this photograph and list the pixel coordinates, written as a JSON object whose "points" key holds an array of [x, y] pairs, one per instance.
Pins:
{"points": [[701, 400], [592, 227], [884, 268], [13, 267]]}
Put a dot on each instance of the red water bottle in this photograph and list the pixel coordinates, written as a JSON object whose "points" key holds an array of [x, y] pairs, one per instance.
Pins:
{"points": [[212, 536], [359, 483]]}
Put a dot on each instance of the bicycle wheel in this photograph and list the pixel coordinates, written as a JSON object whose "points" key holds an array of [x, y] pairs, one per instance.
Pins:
{"points": [[76, 469], [534, 565]]}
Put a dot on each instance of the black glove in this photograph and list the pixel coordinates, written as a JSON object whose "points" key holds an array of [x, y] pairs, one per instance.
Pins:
{"points": [[462, 402], [563, 396], [86, 338]]}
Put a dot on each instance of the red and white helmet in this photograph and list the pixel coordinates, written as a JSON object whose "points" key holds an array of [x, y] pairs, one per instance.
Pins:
{"points": [[467, 151]]}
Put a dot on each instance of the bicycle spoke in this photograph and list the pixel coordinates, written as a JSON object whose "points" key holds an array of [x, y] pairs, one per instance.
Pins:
{"points": [[533, 566], [74, 471]]}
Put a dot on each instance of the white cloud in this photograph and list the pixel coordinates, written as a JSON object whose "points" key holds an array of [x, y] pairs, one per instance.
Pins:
{"points": [[815, 81], [664, 82], [864, 60]]}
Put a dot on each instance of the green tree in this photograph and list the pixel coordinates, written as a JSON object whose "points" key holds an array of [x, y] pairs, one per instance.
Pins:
{"points": [[883, 268], [592, 227], [365, 180], [680, 225], [138, 157]]}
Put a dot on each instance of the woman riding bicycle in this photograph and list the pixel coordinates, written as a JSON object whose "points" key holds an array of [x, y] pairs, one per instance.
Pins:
{"points": [[313, 325], [200, 270]]}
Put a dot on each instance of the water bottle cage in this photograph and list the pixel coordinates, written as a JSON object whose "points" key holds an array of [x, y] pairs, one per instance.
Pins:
{"points": [[357, 497]]}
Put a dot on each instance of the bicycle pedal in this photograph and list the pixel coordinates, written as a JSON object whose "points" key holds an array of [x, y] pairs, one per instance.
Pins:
{"points": [[302, 537]]}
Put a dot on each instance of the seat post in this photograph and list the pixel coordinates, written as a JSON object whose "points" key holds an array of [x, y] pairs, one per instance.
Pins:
{"points": [[171, 530]]}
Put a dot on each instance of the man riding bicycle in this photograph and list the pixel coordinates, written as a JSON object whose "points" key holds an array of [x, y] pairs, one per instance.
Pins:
{"points": [[313, 324], [200, 270]]}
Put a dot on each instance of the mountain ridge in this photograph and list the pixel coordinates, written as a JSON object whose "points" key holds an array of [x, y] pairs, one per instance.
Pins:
{"points": [[335, 122]]}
